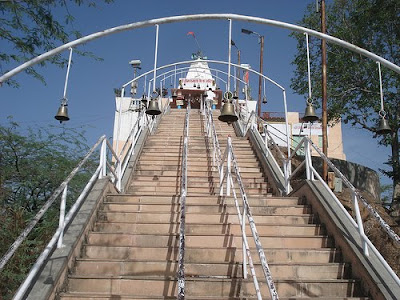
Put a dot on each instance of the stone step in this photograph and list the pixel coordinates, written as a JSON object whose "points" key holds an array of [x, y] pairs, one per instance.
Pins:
{"points": [[91, 296], [191, 179], [139, 286], [85, 267], [271, 201], [195, 218], [156, 167], [192, 188], [216, 255], [124, 239], [206, 209], [177, 159], [193, 183], [207, 229], [244, 173]]}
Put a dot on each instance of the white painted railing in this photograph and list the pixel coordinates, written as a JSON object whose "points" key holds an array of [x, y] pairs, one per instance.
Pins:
{"points": [[226, 177], [181, 260], [312, 174], [111, 161]]}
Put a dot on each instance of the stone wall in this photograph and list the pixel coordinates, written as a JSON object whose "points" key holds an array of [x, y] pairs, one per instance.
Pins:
{"points": [[361, 177]]}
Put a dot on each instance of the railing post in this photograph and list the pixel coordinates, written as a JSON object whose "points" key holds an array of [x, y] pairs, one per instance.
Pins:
{"points": [[244, 214], [359, 222], [103, 159], [265, 136], [307, 157], [286, 174], [119, 174], [228, 167], [62, 216]]}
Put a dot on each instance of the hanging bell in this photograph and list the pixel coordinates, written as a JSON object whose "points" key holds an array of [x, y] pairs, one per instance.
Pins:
{"points": [[174, 95], [264, 101], [181, 87], [153, 108], [310, 115], [144, 99], [62, 113], [235, 95], [228, 113], [384, 127], [198, 85]]}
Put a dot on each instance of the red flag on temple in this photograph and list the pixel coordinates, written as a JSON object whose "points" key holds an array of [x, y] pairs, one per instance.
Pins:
{"points": [[246, 77]]}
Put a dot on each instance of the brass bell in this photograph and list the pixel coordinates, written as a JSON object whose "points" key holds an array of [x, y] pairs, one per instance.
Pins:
{"points": [[310, 115], [264, 101], [235, 95], [228, 113], [153, 108], [62, 113], [384, 127]]}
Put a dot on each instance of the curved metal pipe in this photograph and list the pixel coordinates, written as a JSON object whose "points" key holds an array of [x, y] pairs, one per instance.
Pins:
{"points": [[184, 18]]}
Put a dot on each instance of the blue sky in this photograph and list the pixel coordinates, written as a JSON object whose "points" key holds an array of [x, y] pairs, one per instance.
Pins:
{"points": [[90, 90]]}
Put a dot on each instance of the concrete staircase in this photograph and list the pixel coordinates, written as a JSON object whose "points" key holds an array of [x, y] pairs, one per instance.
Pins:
{"points": [[132, 252]]}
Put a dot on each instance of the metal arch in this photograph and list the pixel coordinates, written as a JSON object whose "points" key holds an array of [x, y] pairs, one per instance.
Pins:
{"points": [[203, 68], [208, 61], [197, 17]]}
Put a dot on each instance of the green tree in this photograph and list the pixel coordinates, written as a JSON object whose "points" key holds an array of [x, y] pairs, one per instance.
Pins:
{"points": [[29, 28], [353, 80], [33, 163]]}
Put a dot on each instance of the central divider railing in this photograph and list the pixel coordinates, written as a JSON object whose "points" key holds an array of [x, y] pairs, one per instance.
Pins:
{"points": [[226, 177], [116, 163], [181, 261]]}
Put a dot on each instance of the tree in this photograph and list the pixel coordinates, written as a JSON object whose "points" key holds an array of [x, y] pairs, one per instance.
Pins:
{"points": [[29, 27], [32, 165], [353, 80]]}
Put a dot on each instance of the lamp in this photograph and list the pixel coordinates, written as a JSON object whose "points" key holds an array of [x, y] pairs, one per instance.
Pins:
{"points": [[261, 41]]}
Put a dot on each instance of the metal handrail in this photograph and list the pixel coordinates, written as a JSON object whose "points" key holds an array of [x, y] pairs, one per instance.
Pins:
{"points": [[181, 260], [229, 156], [116, 170], [212, 133], [226, 176], [358, 224]]}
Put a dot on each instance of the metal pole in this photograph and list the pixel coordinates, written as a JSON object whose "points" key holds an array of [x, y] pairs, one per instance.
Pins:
{"points": [[119, 120], [261, 72], [324, 94], [61, 220], [380, 84], [289, 170], [229, 55], [308, 67], [155, 59], [175, 78], [67, 76], [238, 73]]}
